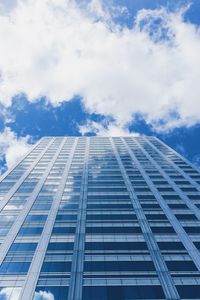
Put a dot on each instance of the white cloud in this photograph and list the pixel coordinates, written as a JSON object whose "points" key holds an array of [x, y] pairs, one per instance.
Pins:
{"points": [[110, 129], [7, 5], [59, 49], [12, 147], [43, 295], [10, 293]]}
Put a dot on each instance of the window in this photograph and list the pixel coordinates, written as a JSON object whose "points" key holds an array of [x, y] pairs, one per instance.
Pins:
{"points": [[186, 217], [113, 229], [177, 206], [66, 217], [118, 266], [56, 267], [192, 229], [30, 231], [162, 230], [41, 206], [152, 217], [189, 291], [63, 230], [122, 292], [110, 206], [35, 218], [14, 267], [10, 293], [171, 246], [103, 217], [60, 246], [115, 246], [51, 292], [23, 247], [181, 265]]}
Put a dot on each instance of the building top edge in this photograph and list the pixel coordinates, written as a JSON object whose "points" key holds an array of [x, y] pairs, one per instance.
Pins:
{"points": [[96, 136]]}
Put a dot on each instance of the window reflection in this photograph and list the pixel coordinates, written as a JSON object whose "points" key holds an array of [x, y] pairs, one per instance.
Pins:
{"points": [[9, 293], [51, 293]]}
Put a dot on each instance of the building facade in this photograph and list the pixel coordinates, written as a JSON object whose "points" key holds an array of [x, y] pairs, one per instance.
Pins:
{"points": [[99, 218]]}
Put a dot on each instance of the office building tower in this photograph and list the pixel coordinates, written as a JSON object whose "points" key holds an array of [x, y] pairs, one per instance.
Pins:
{"points": [[99, 218]]}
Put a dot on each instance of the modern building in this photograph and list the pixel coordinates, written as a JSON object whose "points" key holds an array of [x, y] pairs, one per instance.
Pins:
{"points": [[98, 218]]}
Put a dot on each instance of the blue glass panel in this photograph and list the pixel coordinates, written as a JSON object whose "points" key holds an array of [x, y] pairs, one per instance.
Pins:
{"points": [[66, 217], [163, 230], [32, 218], [30, 230], [56, 267], [189, 291], [181, 265], [51, 292], [23, 247], [63, 230], [171, 246], [111, 217], [60, 246], [115, 246], [122, 292], [113, 230], [41, 206], [14, 267], [118, 266], [108, 206]]}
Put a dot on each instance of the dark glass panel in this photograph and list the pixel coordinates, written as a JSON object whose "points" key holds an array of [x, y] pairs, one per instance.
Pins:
{"points": [[60, 246], [118, 266], [181, 265], [115, 246], [189, 291], [56, 267], [122, 292]]}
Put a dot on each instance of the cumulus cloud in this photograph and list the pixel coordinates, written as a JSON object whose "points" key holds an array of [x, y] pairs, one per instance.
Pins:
{"points": [[60, 49], [10, 293], [11, 147], [43, 295], [101, 129]]}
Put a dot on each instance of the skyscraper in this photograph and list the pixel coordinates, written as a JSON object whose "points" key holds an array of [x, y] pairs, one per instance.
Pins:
{"points": [[97, 218]]}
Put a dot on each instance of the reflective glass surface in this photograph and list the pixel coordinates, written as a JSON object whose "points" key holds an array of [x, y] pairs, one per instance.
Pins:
{"points": [[99, 218]]}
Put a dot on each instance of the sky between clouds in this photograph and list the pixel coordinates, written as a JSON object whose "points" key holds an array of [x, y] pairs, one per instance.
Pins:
{"points": [[128, 68]]}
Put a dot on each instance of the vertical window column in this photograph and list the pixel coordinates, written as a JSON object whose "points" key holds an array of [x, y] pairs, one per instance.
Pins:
{"points": [[20, 219], [36, 265], [177, 154], [172, 184], [9, 171], [160, 265], [75, 290], [185, 175], [184, 238], [23, 177]]}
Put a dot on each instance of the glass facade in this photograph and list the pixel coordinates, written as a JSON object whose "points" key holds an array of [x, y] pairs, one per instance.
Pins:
{"points": [[100, 218]]}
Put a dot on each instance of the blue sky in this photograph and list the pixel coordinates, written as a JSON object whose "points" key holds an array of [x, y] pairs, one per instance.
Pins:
{"points": [[94, 67]]}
